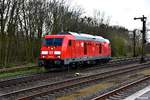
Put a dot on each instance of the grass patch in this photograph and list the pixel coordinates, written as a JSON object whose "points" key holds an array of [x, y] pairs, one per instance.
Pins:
{"points": [[146, 72], [86, 91], [24, 71]]}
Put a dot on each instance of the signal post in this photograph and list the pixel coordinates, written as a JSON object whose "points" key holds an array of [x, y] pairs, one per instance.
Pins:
{"points": [[143, 19]]}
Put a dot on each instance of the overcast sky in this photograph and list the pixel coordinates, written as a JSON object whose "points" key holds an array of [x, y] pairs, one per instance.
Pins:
{"points": [[121, 12]]}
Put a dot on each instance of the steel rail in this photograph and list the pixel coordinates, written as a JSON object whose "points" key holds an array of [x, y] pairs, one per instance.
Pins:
{"points": [[39, 76], [19, 68], [122, 88], [71, 82]]}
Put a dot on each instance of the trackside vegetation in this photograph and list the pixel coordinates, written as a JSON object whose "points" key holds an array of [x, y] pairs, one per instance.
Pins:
{"points": [[24, 22]]}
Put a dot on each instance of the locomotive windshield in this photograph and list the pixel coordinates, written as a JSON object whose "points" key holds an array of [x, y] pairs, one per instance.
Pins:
{"points": [[53, 42]]}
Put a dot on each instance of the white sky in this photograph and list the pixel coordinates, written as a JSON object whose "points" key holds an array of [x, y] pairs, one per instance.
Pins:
{"points": [[121, 12]]}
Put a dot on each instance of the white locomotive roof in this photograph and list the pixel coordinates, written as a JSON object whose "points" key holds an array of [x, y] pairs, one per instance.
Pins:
{"points": [[87, 35], [78, 36], [107, 40], [82, 36], [101, 39]]}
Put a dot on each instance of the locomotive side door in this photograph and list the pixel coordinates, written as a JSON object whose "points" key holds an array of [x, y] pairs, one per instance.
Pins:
{"points": [[69, 53], [72, 51], [85, 48]]}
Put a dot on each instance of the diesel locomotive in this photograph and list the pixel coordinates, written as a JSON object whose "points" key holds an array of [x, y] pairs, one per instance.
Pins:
{"points": [[67, 48]]}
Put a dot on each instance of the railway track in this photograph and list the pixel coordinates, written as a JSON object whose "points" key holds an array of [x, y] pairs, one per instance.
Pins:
{"points": [[24, 66], [30, 93], [125, 90], [43, 76]]}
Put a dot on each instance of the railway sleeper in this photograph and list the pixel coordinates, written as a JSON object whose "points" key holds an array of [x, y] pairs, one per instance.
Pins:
{"points": [[117, 96], [113, 98]]}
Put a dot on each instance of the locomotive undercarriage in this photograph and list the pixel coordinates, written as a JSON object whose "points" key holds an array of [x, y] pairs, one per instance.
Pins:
{"points": [[57, 64]]}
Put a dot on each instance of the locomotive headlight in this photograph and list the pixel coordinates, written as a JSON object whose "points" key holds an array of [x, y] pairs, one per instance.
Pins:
{"points": [[44, 52], [57, 52]]}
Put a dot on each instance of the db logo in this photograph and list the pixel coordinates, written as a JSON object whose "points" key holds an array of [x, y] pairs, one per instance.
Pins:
{"points": [[51, 52]]}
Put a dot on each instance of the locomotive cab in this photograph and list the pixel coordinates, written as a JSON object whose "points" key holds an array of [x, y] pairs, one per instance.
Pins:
{"points": [[52, 47], [51, 51]]}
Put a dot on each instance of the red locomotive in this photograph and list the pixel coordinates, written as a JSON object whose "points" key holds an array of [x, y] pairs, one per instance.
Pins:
{"points": [[67, 48]]}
